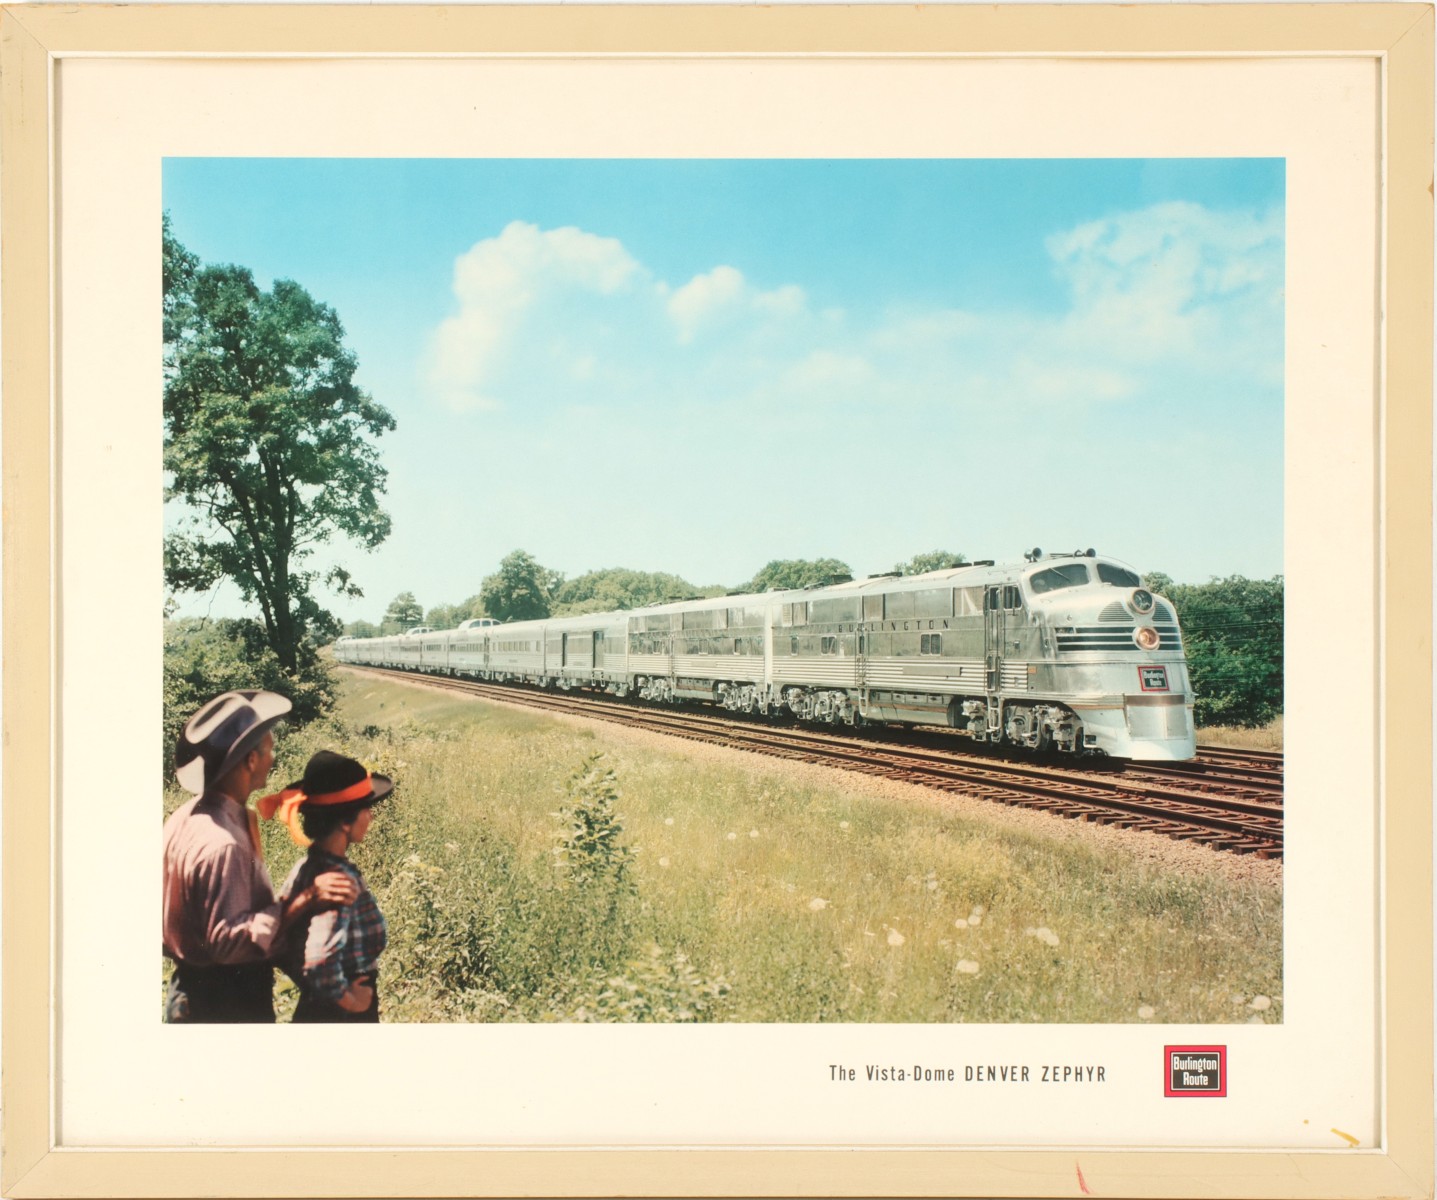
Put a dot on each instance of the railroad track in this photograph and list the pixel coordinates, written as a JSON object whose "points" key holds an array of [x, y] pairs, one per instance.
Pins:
{"points": [[1228, 805]]}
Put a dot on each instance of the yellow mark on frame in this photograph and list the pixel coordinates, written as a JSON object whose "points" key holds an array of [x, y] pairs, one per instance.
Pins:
{"points": [[1346, 1137]]}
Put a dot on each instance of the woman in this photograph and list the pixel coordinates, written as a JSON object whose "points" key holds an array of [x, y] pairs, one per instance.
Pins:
{"points": [[332, 956]]}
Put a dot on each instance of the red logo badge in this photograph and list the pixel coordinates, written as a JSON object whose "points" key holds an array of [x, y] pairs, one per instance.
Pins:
{"points": [[1153, 679], [1195, 1070]]}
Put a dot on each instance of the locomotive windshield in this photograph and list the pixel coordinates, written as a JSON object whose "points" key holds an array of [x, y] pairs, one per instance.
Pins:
{"points": [[1066, 575], [1117, 576]]}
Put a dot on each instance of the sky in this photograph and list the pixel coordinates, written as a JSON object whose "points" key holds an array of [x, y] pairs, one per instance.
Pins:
{"points": [[698, 366]]}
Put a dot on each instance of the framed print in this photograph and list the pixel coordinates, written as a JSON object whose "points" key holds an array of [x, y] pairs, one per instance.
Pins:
{"points": [[742, 283]]}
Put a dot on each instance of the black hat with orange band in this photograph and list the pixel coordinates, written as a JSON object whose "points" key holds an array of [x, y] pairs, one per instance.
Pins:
{"points": [[330, 781]]}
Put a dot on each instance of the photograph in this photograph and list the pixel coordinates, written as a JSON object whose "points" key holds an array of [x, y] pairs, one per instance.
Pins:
{"points": [[745, 469]]}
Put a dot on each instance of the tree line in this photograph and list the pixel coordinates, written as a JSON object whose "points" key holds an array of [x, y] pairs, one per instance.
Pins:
{"points": [[524, 590]]}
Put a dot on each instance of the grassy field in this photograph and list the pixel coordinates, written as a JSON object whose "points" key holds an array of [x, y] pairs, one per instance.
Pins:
{"points": [[1265, 737], [525, 879]]}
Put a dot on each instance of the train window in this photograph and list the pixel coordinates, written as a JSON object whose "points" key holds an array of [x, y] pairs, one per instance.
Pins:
{"points": [[828, 645], [835, 608], [793, 646], [1065, 575], [930, 643], [1012, 598], [873, 607], [935, 602], [968, 601], [898, 605], [1117, 576]]}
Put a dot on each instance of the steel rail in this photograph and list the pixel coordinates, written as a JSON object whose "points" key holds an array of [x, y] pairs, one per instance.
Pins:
{"points": [[1226, 823]]}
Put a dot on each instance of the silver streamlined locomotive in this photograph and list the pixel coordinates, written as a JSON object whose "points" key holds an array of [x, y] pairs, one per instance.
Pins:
{"points": [[1064, 652]]}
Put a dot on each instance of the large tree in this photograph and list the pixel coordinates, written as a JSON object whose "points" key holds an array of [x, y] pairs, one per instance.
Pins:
{"points": [[933, 560], [620, 588], [521, 590], [404, 612], [784, 573], [267, 444]]}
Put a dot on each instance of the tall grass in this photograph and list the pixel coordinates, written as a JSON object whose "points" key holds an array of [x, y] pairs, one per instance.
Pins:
{"points": [[1264, 737], [524, 878]]}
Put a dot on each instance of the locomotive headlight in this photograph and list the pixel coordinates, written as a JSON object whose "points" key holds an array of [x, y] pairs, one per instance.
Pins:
{"points": [[1146, 637], [1141, 601]]}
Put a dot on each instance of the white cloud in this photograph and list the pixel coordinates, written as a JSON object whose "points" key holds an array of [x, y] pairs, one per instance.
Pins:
{"points": [[704, 297], [718, 298], [498, 282], [787, 301], [1149, 304], [1174, 282]]}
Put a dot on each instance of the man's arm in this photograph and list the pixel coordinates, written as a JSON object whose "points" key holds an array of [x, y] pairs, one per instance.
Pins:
{"points": [[237, 933]]}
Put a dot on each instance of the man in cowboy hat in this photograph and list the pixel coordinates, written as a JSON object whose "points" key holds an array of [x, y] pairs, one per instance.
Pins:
{"points": [[220, 916]]}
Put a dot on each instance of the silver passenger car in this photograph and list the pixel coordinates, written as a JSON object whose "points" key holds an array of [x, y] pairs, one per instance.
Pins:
{"points": [[1067, 653]]}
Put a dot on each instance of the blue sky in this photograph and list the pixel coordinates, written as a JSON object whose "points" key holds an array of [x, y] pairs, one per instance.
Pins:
{"points": [[697, 366]]}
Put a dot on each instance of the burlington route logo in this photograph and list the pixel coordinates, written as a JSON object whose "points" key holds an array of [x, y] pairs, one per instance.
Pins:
{"points": [[1195, 1070]]}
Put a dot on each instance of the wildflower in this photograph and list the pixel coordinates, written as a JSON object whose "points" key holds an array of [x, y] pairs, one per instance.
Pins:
{"points": [[663, 862], [1260, 1004], [843, 824], [975, 919], [753, 833], [668, 820], [451, 846], [895, 938], [966, 966], [1146, 1012], [1044, 935], [961, 923], [932, 885], [733, 837], [978, 910], [817, 904]]}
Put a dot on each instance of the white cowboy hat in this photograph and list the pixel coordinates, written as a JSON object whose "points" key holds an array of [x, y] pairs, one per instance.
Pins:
{"points": [[222, 733]]}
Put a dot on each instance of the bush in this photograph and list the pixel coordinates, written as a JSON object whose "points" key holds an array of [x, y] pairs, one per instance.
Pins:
{"points": [[1233, 638], [205, 658], [589, 853], [657, 987]]}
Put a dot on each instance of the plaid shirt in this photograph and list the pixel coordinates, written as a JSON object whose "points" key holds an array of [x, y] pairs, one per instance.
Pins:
{"points": [[331, 949]]}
